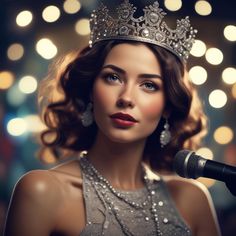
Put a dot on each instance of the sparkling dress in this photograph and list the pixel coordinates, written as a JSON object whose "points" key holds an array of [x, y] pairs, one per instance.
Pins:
{"points": [[106, 214]]}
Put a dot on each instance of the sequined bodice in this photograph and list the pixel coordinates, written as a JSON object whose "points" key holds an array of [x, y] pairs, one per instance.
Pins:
{"points": [[107, 214]]}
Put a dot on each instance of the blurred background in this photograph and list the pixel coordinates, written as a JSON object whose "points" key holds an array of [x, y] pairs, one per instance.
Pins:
{"points": [[34, 33]]}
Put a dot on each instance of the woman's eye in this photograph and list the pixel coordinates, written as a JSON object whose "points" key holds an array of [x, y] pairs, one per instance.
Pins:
{"points": [[150, 86], [111, 78]]}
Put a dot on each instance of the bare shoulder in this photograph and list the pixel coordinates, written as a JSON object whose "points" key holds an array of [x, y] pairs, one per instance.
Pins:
{"points": [[35, 181], [188, 187], [188, 191], [51, 182], [37, 195], [43, 199], [48, 188], [38, 186], [194, 202]]}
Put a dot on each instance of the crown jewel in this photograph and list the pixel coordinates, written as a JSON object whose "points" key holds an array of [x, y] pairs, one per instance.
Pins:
{"points": [[148, 28]]}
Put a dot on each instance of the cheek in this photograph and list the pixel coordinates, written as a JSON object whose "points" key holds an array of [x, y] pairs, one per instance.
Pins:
{"points": [[153, 109], [99, 98], [102, 97]]}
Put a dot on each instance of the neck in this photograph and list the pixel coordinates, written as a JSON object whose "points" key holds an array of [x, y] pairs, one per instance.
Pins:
{"points": [[119, 163]]}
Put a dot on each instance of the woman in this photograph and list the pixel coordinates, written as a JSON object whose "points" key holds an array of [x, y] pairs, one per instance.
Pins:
{"points": [[123, 101]]}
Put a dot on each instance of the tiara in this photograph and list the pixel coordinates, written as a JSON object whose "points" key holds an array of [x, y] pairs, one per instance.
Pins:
{"points": [[148, 28]]}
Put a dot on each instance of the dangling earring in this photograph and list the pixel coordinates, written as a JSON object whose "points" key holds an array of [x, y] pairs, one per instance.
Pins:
{"points": [[165, 134], [87, 116]]}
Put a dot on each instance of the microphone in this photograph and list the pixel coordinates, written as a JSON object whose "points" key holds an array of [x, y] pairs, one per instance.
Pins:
{"points": [[187, 164]]}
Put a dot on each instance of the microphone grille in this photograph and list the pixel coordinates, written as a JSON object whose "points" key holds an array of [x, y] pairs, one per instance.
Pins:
{"points": [[186, 164]]}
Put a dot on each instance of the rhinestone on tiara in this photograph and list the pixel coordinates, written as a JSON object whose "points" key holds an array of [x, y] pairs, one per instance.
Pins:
{"points": [[148, 28]]}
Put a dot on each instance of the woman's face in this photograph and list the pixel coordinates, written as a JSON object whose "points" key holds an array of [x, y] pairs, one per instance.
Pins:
{"points": [[128, 94]]}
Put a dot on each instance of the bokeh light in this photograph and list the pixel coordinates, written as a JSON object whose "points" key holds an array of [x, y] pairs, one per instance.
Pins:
{"points": [[46, 48], [229, 75], [16, 127], [173, 5], [223, 135], [198, 75], [6, 79], [230, 32], [198, 49], [214, 56], [205, 152], [51, 14], [24, 18], [217, 98], [82, 27], [15, 51], [71, 6], [203, 8], [28, 84]]}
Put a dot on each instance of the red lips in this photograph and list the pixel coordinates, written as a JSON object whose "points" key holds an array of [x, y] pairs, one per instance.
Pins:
{"points": [[122, 120], [123, 116]]}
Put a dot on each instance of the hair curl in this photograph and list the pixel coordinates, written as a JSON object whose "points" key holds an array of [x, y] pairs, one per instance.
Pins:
{"points": [[72, 82]]}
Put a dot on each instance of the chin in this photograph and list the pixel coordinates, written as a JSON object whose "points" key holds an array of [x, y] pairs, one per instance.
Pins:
{"points": [[125, 135], [125, 138]]}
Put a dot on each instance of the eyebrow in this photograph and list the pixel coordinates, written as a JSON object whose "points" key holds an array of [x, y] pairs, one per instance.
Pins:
{"points": [[121, 71]]}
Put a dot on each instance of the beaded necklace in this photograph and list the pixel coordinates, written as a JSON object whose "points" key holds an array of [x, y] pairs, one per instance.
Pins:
{"points": [[101, 186]]}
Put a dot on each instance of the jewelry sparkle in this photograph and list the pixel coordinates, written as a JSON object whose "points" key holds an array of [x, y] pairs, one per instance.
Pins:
{"points": [[149, 28]]}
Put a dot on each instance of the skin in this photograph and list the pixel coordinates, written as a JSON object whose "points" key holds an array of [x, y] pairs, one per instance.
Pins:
{"points": [[50, 202]]}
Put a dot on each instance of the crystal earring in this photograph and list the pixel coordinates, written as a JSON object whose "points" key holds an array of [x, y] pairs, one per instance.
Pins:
{"points": [[165, 134], [87, 116]]}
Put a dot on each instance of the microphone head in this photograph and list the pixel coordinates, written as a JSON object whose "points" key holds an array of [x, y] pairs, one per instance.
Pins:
{"points": [[186, 163]]}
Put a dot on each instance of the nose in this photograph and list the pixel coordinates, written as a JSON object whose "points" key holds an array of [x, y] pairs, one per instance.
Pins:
{"points": [[125, 99], [122, 103]]}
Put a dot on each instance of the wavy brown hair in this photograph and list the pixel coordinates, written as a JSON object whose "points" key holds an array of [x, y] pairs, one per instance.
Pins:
{"points": [[64, 94]]}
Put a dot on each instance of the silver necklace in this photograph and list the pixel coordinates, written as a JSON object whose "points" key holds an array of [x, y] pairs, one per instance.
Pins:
{"points": [[101, 185]]}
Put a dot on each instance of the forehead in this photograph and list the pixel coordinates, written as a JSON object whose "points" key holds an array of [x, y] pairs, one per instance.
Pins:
{"points": [[133, 56]]}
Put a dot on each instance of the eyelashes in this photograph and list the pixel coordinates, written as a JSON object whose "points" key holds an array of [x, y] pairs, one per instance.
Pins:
{"points": [[111, 77], [151, 86], [114, 79]]}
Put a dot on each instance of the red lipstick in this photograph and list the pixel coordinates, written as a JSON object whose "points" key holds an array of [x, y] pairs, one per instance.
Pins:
{"points": [[123, 120]]}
